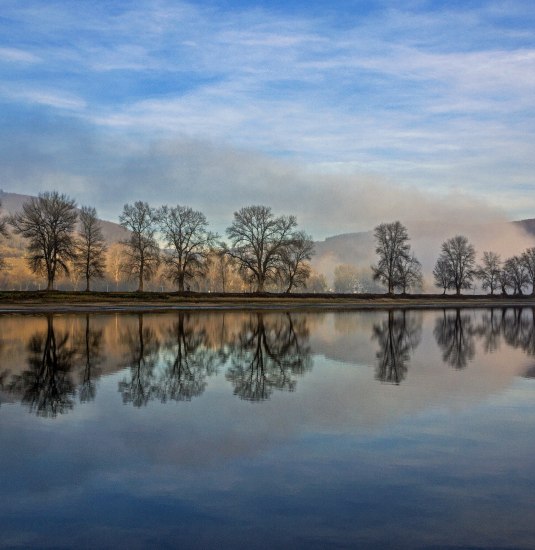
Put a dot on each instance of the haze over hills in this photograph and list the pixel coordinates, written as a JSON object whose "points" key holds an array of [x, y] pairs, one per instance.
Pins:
{"points": [[358, 248]]}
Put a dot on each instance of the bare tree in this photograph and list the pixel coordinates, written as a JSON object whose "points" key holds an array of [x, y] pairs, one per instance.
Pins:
{"points": [[459, 256], [489, 271], [409, 273], [48, 223], [528, 259], [516, 273], [257, 240], [142, 254], [441, 272], [294, 269], [504, 279], [189, 241], [90, 261], [392, 248]]}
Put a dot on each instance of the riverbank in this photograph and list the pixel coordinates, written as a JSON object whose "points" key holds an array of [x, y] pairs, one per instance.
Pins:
{"points": [[14, 302]]}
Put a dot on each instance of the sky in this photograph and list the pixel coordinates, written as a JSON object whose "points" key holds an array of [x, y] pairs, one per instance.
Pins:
{"points": [[345, 113]]}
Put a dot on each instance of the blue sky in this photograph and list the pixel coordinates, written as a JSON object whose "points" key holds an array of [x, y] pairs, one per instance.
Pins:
{"points": [[170, 101]]}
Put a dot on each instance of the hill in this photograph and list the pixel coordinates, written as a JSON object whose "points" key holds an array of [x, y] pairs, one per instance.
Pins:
{"points": [[527, 225], [12, 202]]}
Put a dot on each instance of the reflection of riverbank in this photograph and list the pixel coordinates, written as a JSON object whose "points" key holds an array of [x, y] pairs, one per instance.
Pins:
{"points": [[52, 362]]}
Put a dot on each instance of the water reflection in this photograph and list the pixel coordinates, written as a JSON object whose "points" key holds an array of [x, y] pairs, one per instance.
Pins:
{"points": [[454, 334], [51, 362], [269, 353], [518, 324], [138, 386], [398, 335], [343, 461], [46, 386], [188, 361], [89, 342]]}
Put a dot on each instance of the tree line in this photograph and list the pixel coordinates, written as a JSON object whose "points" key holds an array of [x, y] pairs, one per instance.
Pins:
{"points": [[264, 248], [455, 269]]}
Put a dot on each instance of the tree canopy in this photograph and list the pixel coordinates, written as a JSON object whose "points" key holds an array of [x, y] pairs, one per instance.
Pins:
{"points": [[258, 239], [142, 253], [48, 223]]}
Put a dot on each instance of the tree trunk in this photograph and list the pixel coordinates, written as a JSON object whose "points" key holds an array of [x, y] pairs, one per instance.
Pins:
{"points": [[87, 284], [140, 283]]}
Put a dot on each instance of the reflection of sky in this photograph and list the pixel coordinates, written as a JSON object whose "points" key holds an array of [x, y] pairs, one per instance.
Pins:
{"points": [[445, 458]]}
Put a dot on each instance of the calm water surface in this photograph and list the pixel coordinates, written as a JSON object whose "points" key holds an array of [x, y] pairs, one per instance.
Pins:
{"points": [[384, 429]]}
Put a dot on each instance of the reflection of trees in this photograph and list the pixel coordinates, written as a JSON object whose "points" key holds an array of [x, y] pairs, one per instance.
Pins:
{"points": [[518, 328], [490, 329], [397, 336], [46, 386], [89, 345], [454, 334], [142, 355], [515, 325], [188, 361], [268, 354]]}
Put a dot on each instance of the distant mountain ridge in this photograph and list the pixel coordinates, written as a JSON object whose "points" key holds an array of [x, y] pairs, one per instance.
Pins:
{"points": [[527, 225]]}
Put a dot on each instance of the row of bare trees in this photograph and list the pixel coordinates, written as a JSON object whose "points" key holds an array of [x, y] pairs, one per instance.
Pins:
{"points": [[456, 269], [263, 247]]}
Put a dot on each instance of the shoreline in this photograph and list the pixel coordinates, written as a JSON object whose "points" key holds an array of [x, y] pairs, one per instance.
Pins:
{"points": [[94, 302]]}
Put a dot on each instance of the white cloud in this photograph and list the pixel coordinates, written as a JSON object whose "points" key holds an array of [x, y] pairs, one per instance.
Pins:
{"points": [[429, 100], [16, 55]]}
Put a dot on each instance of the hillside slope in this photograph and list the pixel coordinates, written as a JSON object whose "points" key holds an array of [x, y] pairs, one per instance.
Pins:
{"points": [[12, 202]]}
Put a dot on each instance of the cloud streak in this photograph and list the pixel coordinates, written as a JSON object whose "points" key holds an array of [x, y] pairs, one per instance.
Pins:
{"points": [[435, 100]]}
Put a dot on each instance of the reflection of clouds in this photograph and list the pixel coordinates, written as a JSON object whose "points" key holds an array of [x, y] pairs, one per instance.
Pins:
{"points": [[216, 457]]}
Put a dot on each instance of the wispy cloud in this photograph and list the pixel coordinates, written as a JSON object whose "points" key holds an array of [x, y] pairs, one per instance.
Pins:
{"points": [[427, 96], [16, 55]]}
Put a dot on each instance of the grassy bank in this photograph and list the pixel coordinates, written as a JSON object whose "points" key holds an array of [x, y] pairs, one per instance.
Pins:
{"points": [[50, 300]]}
